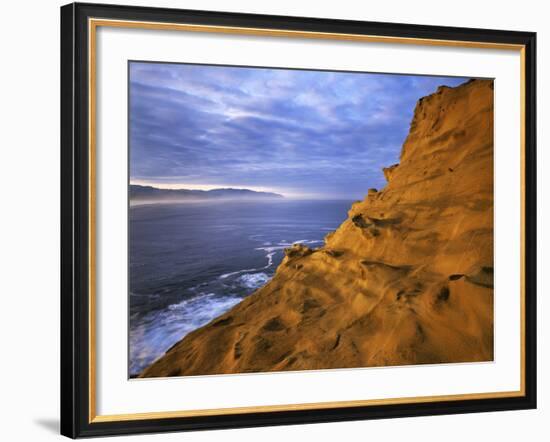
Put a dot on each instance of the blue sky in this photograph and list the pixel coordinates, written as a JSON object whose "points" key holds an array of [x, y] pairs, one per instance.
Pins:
{"points": [[305, 134]]}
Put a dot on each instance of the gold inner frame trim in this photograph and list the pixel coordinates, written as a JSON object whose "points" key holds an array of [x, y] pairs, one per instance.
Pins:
{"points": [[93, 24], [293, 407], [299, 34]]}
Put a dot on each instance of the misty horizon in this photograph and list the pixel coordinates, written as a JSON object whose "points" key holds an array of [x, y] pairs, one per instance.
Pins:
{"points": [[177, 187]]}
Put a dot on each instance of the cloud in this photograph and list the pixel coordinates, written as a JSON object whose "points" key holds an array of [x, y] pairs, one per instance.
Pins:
{"points": [[302, 132]]}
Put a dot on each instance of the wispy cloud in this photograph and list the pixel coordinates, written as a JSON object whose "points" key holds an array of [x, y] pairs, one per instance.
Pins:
{"points": [[300, 132]]}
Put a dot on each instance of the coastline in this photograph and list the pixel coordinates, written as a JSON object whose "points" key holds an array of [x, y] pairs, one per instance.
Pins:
{"points": [[190, 263], [406, 279]]}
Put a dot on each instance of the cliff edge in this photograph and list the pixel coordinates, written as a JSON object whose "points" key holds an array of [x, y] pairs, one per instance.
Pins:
{"points": [[406, 279]]}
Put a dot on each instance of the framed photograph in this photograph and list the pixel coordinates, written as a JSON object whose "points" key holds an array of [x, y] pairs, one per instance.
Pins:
{"points": [[274, 220]]}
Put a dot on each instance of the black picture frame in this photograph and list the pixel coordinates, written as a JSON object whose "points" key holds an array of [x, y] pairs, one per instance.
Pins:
{"points": [[75, 219]]}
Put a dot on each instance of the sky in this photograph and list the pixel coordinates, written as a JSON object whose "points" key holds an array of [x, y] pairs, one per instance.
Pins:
{"points": [[304, 134]]}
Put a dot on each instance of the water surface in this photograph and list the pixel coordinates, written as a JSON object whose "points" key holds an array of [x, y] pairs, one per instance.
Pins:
{"points": [[191, 262]]}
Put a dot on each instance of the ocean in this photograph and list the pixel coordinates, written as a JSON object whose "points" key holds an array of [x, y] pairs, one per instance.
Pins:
{"points": [[192, 262]]}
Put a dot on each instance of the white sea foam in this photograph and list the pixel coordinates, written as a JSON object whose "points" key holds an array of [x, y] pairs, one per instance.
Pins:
{"points": [[205, 302], [271, 252], [271, 249], [253, 280], [162, 329], [284, 245], [227, 275]]}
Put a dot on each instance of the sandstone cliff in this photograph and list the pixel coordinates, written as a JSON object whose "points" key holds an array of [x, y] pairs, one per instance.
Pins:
{"points": [[406, 279]]}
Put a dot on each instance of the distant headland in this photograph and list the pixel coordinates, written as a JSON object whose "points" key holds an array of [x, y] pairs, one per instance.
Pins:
{"points": [[149, 194]]}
